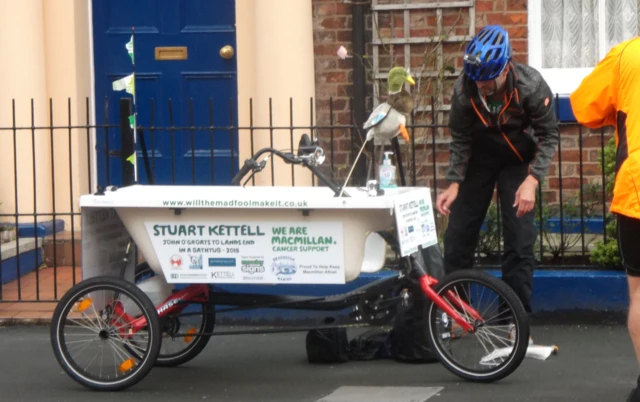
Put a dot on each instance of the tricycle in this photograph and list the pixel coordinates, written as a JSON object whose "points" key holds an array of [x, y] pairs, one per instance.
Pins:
{"points": [[131, 313]]}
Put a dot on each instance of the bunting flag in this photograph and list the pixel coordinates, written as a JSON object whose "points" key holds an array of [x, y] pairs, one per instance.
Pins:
{"points": [[127, 83], [129, 47]]}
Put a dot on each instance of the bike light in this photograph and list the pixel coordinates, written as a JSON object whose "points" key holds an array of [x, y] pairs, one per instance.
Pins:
{"points": [[83, 305], [189, 337], [126, 365]]}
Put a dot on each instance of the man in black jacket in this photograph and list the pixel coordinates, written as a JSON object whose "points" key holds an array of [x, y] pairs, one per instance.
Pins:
{"points": [[504, 130]]}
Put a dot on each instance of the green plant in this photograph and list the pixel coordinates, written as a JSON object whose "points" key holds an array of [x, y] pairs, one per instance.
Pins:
{"points": [[605, 253]]}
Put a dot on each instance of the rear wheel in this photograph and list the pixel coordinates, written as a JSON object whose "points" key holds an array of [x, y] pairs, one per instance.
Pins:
{"points": [[499, 343], [195, 318]]}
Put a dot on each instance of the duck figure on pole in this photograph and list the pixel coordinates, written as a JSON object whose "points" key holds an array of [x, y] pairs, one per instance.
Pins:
{"points": [[389, 118]]}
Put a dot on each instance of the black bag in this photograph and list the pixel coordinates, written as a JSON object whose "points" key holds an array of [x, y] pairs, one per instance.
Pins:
{"points": [[371, 345], [327, 345], [408, 338]]}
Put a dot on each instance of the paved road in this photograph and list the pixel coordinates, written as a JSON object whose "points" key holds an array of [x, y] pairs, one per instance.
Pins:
{"points": [[596, 363]]}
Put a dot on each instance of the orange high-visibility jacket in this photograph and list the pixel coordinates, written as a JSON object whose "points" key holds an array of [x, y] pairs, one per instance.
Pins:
{"points": [[610, 96]]}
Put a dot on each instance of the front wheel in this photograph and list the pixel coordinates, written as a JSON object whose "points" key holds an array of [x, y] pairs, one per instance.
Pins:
{"points": [[499, 343], [105, 333]]}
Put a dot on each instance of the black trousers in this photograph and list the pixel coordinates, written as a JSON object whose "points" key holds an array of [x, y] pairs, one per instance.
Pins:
{"points": [[469, 210]]}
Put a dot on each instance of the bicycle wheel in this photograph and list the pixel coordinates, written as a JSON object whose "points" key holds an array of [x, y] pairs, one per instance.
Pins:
{"points": [[501, 336], [197, 318], [95, 326]]}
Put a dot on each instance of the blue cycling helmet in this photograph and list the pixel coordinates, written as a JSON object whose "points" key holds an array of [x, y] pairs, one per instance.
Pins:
{"points": [[488, 54]]}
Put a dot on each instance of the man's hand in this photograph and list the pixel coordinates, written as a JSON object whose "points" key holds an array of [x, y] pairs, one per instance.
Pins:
{"points": [[526, 196], [446, 198]]}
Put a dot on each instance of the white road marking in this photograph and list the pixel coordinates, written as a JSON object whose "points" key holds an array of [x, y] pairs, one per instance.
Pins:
{"points": [[381, 394]]}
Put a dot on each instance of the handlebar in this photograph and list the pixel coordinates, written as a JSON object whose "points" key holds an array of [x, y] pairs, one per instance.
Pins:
{"points": [[309, 154]]}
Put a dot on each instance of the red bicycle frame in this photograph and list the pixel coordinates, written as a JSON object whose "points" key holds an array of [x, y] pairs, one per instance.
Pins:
{"points": [[172, 305], [175, 303], [427, 281]]}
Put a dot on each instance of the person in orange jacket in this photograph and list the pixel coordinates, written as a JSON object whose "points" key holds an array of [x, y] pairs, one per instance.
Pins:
{"points": [[610, 96]]}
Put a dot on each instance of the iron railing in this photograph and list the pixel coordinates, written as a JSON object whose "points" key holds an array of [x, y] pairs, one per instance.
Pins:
{"points": [[41, 274]]}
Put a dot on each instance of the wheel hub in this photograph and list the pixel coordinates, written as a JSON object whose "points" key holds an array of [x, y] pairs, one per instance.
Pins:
{"points": [[104, 334]]}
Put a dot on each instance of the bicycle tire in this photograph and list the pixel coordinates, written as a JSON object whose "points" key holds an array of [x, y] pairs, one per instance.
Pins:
{"points": [[519, 314], [64, 307]]}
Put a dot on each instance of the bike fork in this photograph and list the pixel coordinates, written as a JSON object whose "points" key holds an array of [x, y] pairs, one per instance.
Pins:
{"points": [[426, 281]]}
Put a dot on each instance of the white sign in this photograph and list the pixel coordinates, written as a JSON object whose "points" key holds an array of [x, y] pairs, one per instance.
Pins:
{"points": [[249, 252], [415, 223]]}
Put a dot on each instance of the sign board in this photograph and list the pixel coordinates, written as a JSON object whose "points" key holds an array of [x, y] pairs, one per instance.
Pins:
{"points": [[249, 252], [415, 222]]}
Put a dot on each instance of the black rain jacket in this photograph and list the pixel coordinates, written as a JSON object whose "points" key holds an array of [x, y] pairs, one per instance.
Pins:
{"points": [[525, 130]]}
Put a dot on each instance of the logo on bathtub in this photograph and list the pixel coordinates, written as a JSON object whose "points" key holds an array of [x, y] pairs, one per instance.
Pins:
{"points": [[252, 265], [195, 261], [284, 267], [176, 261]]}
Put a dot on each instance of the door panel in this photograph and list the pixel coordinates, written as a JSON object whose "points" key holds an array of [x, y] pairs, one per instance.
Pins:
{"points": [[199, 89]]}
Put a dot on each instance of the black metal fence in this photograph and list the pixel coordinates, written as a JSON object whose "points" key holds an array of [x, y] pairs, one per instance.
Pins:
{"points": [[48, 166]]}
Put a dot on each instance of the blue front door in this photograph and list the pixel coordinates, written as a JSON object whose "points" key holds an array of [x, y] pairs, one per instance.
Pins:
{"points": [[183, 87]]}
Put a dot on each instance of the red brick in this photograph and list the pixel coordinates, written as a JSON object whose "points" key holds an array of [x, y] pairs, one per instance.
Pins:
{"points": [[520, 46], [591, 169], [593, 141], [571, 129], [327, 64], [571, 156], [342, 118], [324, 9], [482, 6], [335, 76], [334, 23], [344, 90], [339, 104], [452, 20], [569, 143], [398, 20], [506, 18], [344, 36], [343, 8], [325, 36], [594, 156], [384, 20], [517, 5], [326, 49], [340, 158], [567, 183], [341, 144], [518, 32], [569, 169], [440, 157]]}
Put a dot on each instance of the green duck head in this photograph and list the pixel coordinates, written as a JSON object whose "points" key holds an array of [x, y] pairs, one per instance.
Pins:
{"points": [[396, 79]]}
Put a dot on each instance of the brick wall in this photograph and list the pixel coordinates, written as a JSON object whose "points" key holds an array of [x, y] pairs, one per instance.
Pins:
{"points": [[332, 28]]}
